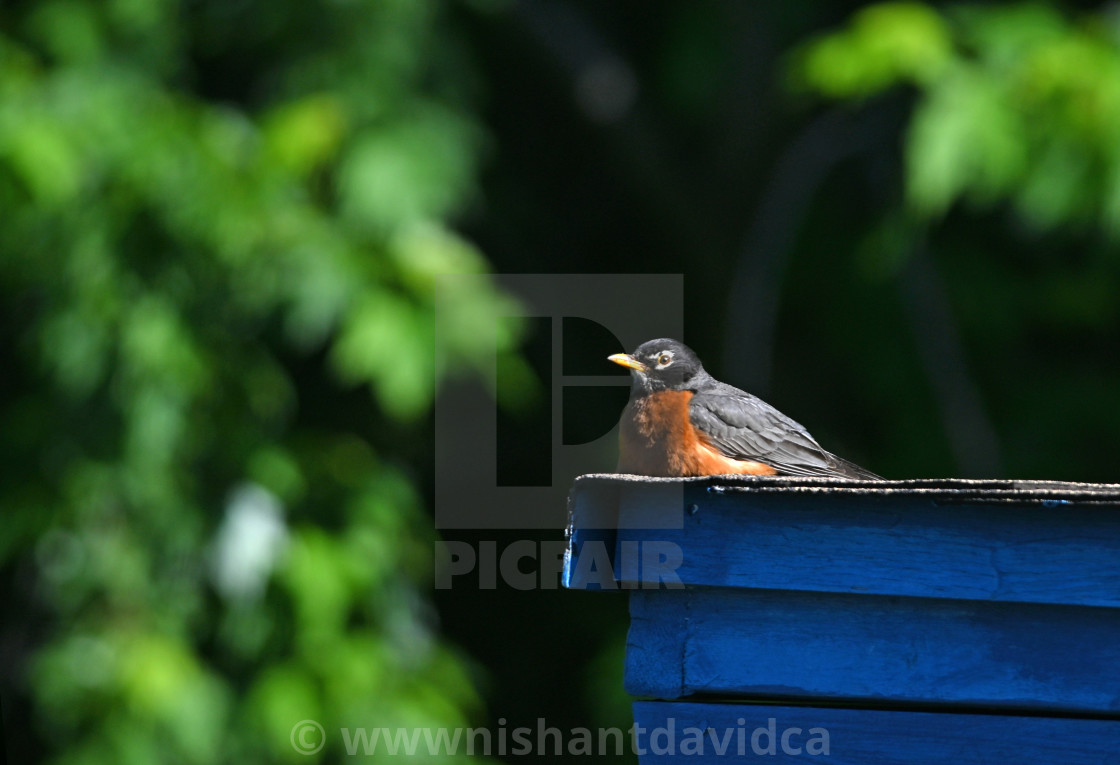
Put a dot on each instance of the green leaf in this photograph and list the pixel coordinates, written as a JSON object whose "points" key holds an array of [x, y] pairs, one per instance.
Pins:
{"points": [[885, 44], [386, 342], [304, 134], [408, 172], [965, 138]]}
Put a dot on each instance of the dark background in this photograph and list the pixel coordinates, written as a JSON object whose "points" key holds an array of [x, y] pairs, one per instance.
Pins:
{"points": [[941, 363]]}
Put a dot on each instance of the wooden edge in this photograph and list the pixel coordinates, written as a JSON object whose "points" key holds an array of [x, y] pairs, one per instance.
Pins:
{"points": [[696, 733], [948, 488]]}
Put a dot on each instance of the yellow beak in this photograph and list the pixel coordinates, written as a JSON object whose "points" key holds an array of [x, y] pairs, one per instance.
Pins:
{"points": [[627, 361]]}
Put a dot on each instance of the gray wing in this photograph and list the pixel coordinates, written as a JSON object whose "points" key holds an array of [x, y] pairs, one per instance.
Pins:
{"points": [[742, 426]]}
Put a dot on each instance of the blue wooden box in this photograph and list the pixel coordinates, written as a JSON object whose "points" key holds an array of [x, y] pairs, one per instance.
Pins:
{"points": [[948, 621]]}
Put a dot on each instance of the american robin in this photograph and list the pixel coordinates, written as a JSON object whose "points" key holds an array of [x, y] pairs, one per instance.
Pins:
{"points": [[681, 421]]}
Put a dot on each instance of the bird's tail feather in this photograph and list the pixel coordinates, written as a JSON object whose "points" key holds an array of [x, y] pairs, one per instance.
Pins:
{"points": [[847, 469]]}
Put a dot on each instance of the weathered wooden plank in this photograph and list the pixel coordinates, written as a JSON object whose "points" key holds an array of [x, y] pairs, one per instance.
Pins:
{"points": [[892, 544], [962, 489], [865, 737], [592, 522], [774, 645], [595, 559]]}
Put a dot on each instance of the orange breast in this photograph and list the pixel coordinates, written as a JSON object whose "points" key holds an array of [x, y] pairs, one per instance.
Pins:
{"points": [[656, 438]]}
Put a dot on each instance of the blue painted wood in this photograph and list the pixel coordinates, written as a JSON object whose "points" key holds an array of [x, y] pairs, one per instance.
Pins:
{"points": [[766, 644], [955, 539], [596, 559], [996, 603], [896, 546], [866, 737], [591, 537]]}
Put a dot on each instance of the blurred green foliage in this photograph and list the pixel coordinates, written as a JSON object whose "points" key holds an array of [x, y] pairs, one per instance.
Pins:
{"points": [[1016, 102], [212, 211], [1005, 206]]}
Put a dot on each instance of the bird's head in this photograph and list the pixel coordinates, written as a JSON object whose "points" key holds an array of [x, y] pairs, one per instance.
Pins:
{"points": [[662, 364]]}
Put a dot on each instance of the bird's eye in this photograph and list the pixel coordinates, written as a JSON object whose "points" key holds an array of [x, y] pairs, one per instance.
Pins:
{"points": [[663, 360]]}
